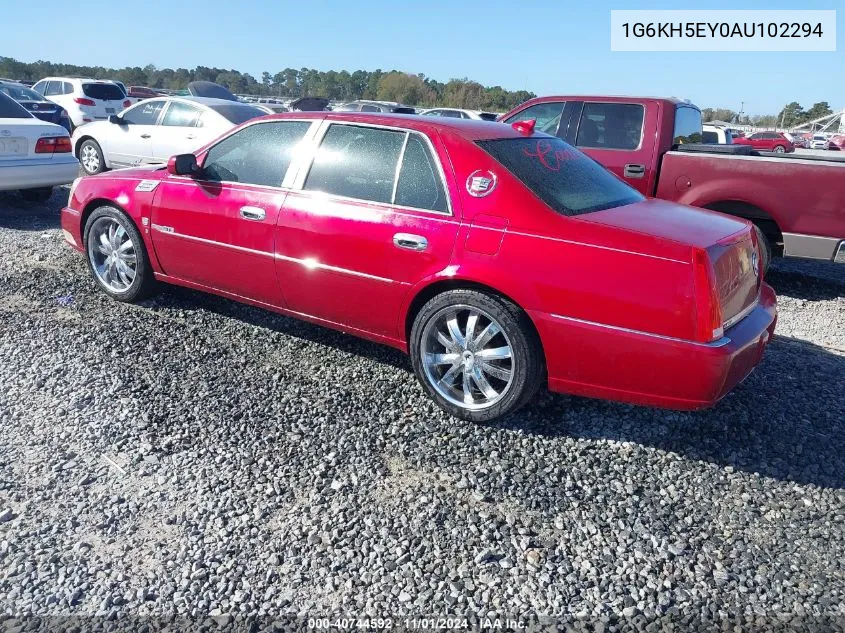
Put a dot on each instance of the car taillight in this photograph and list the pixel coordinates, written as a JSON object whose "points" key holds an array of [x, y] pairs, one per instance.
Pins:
{"points": [[53, 145], [83, 101], [127, 103], [708, 309]]}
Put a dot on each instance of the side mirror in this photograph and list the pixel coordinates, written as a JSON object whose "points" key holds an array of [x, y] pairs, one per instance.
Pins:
{"points": [[183, 165], [113, 118]]}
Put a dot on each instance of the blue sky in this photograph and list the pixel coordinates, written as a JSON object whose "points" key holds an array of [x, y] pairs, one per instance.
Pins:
{"points": [[546, 46]]}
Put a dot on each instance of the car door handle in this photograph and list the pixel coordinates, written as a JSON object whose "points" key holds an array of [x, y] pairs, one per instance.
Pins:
{"points": [[253, 213], [145, 136], [634, 171], [410, 242], [190, 137]]}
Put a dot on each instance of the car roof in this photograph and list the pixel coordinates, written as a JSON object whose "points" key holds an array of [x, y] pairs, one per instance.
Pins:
{"points": [[470, 129], [206, 101], [611, 99]]}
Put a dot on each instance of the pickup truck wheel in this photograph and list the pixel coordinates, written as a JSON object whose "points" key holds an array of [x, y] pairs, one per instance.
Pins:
{"points": [[91, 157], [780, 149], [765, 249], [476, 354], [116, 255], [42, 194]]}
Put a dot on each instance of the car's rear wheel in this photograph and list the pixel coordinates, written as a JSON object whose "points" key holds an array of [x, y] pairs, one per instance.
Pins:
{"points": [[780, 149], [476, 354], [41, 194], [116, 255], [91, 157]]}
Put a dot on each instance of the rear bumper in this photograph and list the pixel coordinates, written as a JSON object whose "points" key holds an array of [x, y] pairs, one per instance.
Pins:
{"points": [[34, 173], [814, 247], [594, 360]]}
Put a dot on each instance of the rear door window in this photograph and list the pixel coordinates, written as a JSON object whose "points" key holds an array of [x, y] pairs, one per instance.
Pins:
{"points": [[53, 88], [420, 185], [370, 108], [104, 92], [181, 115], [258, 154], [611, 126], [547, 116]]}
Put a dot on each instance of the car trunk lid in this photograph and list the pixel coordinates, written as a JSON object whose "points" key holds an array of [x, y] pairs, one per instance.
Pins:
{"points": [[18, 140]]}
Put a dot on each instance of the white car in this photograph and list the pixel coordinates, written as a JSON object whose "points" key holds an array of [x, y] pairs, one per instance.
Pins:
{"points": [[34, 155], [819, 141], [716, 135], [456, 113], [155, 129], [85, 100]]}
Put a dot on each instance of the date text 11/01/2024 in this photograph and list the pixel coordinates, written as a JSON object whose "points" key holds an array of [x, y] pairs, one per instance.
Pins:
{"points": [[416, 624], [722, 29]]}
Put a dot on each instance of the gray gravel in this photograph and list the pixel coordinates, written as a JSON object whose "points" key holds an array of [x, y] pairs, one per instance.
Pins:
{"points": [[193, 456]]}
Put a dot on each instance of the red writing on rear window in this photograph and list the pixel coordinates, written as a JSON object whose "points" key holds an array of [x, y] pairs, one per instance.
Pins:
{"points": [[549, 158]]}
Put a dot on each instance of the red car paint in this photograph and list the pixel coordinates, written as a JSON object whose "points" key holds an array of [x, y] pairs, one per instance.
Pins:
{"points": [[797, 201], [622, 299], [767, 142]]}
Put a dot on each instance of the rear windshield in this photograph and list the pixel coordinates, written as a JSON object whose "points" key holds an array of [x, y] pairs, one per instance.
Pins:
{"points": [[107, 92], [11, 109], [238, 113], [20, 93], [561, 176]]}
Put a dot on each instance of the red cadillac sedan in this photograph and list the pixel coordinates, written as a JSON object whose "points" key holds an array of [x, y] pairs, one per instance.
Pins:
{"points": [[500, 258]]}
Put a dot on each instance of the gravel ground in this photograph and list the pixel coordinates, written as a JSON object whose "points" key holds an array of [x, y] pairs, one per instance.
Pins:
{"points": [[193, 456]]}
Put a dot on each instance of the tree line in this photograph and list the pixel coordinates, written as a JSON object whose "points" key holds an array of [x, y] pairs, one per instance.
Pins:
{"points": [[392, 85], [791, 115]]}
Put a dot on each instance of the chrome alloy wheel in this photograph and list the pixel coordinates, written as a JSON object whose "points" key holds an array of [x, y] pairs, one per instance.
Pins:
{"points": [[467, 357], [112, 254], [89, 158]]}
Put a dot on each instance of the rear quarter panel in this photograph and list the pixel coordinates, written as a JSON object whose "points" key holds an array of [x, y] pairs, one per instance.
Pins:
{"points": [[800, 196], [550, 263]]}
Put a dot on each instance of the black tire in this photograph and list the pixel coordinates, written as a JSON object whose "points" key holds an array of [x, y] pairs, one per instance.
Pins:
{"points": [[39, 195], [143, 284], [90, 144], [528, 363], [765, 249]]}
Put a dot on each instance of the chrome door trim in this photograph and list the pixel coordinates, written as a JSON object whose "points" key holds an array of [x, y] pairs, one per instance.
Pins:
{"points": [[713, 344]]}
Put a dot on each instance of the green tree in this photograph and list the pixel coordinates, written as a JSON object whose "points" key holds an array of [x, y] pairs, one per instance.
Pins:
{"points": [[792, 114], [820, 109]]}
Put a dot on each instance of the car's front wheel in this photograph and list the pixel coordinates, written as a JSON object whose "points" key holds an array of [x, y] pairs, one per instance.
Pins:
{"points": [[476, 354], [91, 157], [116, 255]]}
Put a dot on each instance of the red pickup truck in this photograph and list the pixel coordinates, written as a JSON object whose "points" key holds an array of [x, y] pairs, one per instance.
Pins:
{"points": [[654, 144]]}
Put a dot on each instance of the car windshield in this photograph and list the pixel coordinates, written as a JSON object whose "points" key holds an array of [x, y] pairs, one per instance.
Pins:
{"points": [[237, 113], [561, 176], [106, 92], [11, 109], [20, 93]]}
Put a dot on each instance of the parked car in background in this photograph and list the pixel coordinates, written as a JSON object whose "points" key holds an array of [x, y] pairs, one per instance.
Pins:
{"points": [[735, 133], [819, 141], [155, 129], [456, 113], [363, 105], [35, 155], [85, 100], [767, 142], [309, 104], [142, 92], [716, 135], [798, 139], [797, 202], [453, 240], [271, 108], [39, 106], [837, 142]]}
